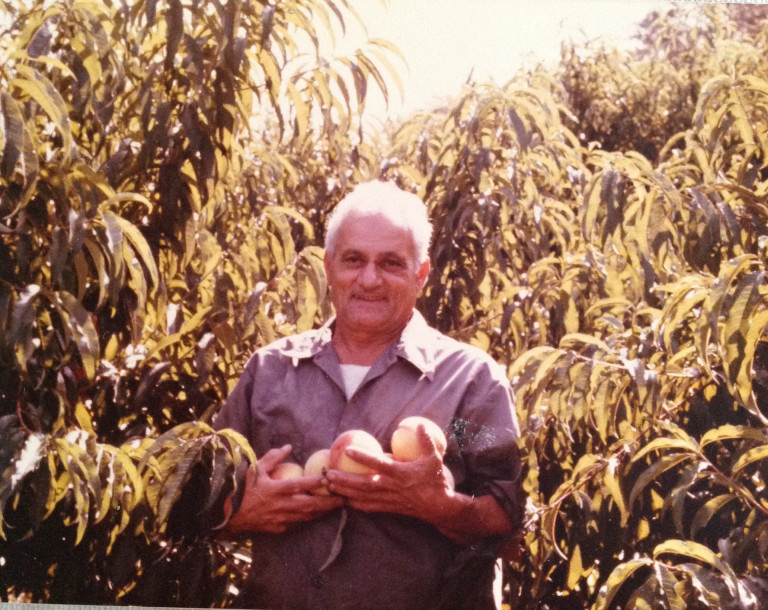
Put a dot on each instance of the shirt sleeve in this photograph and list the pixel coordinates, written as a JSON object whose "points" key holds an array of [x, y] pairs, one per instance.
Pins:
{"points": [[235, 413], [487, 433]]}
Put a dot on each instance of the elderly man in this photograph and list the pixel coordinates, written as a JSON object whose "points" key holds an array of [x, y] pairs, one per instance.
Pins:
{"points": [[402, 537]]}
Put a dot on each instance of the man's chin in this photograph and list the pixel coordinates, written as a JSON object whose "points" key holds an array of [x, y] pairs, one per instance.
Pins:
{"points": [[369, 319]]}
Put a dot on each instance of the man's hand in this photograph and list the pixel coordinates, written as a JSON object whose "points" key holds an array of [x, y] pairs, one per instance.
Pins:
{"points": [[419, 489], [271, 505]]}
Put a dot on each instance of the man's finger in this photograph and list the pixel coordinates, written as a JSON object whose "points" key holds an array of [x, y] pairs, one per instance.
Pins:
{"points": [[426, 442], [299, 485], [272, 458], [376, 463]]}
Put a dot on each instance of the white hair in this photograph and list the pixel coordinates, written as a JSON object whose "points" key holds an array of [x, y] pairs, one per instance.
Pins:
{"points": [[401, 208]]}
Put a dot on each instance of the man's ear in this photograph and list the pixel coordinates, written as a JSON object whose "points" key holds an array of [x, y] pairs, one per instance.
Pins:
{"points": [[423, 273], [326, 262]]}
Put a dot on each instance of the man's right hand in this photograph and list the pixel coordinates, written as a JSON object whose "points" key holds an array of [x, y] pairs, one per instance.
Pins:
{"points": [[271, 505]]}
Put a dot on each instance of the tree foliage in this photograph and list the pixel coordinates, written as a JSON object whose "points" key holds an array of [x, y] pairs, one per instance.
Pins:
{"points": [[151, 156], [166, 169], [602, 231]]}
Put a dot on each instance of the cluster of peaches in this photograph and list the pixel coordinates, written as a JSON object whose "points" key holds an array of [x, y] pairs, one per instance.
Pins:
{"points": [[405, 448]]}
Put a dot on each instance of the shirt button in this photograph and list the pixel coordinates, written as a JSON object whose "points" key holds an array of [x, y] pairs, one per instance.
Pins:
{"points": [[317, 581]]}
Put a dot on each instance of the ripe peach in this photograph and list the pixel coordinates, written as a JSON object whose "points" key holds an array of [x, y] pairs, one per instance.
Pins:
{"points": [[356, 439], [318, 464], [287, 470], [405, 441]]}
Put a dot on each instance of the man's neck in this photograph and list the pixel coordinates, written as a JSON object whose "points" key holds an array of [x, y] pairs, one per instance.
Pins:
{"points": [[361, 348]]}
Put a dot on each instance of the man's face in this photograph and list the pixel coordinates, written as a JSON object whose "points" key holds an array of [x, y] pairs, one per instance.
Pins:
{"points": [[374, 276]]}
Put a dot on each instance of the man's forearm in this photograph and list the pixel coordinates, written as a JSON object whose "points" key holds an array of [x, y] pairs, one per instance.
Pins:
{"points": [[470, 518]]}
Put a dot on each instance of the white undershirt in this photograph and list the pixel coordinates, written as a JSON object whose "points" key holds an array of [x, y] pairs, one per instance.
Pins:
{"points": [[353, 375]]}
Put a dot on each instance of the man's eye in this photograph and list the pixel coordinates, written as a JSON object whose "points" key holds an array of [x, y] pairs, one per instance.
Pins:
{"points": [[393, 264]]}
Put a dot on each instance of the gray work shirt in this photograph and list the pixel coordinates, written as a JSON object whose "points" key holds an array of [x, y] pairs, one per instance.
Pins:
{"points": [[292, 392]]}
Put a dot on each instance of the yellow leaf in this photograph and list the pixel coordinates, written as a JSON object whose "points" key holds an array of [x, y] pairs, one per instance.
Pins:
{"points": [[575, 568], [42, 90], [612, 483], [643, 529], [617, 578], [753, 455]]}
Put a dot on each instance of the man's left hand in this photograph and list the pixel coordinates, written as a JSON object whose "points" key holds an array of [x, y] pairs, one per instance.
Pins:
{"points": [[418, 488]]}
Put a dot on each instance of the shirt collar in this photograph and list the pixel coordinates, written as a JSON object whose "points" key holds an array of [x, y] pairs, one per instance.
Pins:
{"points": [[414, 345], [308, 344]]}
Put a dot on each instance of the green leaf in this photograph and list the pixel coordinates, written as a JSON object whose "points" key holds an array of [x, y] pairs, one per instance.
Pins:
{"points": [[667, 444], [27, 457], [13, 135], [669, 587], [222, 470], [741, 120], [42, 90], [712, 309], [115, 258], [753, 455], [112, 203], [96, 255], [575, 568], [572, 340], [183, 459], [614, 489], [655, 470], [24, 313], [708, 510], [620, 574], [698, 552], [675, 498], [742, 322], [137, 241], [708, 91], [82, 330], [301, 111], [82, 477], [729, 431], [240, 447]]}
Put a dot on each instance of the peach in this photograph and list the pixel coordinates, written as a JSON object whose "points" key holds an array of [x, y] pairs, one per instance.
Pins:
{"points": [[318, 464], [355, 439], [287, 470], [405, 441]]}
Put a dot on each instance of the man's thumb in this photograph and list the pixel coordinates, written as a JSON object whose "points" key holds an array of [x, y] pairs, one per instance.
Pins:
{"points": [[273, 457], [426, 442]]}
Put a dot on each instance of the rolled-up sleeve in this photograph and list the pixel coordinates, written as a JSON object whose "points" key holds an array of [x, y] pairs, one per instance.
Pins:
{"points": [[487, 434]]}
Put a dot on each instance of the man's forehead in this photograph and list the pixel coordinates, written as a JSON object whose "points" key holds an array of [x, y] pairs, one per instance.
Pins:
{"points": [[374, 226], [375, 235], [370, 249]]}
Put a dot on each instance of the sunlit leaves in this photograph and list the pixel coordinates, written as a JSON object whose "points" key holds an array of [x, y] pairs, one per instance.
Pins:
{"points": [[156, 229], [40, 89], [173, 459], [167, 169]]}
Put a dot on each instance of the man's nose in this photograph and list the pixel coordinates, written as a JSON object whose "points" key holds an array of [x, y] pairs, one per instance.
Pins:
{"points": [[369, 274]]}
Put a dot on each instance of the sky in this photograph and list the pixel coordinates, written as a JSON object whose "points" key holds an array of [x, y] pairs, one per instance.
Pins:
{"points": [[446, 41]]}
